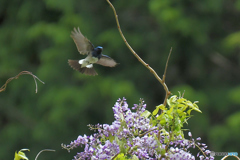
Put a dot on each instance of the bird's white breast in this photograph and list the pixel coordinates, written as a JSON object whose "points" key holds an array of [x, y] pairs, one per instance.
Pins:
{"points": [[88, 61], [91, 59]]}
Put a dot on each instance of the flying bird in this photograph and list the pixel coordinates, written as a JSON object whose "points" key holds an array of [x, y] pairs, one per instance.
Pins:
{"points": [[94, 55]]}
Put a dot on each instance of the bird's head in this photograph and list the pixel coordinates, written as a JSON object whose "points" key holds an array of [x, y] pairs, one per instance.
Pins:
{"points": [[99, 49]]}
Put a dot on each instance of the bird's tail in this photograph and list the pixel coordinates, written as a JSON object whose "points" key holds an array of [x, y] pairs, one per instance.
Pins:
{"points": [[88, 71]]}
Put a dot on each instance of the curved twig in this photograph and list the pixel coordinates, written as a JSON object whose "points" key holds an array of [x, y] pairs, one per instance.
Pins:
{"points": [[162, 81], [51, 150], [165, 71], [232, 156], [16, 77]]}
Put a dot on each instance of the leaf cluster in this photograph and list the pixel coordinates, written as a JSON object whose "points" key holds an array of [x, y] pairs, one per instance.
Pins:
{"points": [[173, 116]]}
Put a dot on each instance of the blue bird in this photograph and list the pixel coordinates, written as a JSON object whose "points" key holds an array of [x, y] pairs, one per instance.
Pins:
{"points": [[94, 55]]}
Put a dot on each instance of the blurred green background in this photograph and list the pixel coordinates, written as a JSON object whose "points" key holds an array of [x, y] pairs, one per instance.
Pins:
{"points": [[35, 36]]}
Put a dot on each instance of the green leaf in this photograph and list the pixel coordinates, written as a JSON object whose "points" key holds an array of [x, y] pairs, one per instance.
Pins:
{"points": [[155, 111], [154, 122], [163, 121], [164, 132], [196, 108], [21, 155], [160, 116], [172, 100], [111, 138], [120, 156], [181, 100], [180, 112], [178, 124], [170, 117], [135, 157], [162, 107], [193, 106], [170, 111], [146, 114], [189, 103], [189, 111], [121, 145], [181, 105]]}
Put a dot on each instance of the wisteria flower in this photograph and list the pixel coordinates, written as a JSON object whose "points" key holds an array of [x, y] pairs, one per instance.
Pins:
{"points": [[134, 135]]}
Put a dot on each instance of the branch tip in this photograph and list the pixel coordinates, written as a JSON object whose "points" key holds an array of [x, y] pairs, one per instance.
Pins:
{"points": [[165, 71]]}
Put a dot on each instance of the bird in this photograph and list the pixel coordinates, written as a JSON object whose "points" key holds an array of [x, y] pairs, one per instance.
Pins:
{"points": [[94, 55]]}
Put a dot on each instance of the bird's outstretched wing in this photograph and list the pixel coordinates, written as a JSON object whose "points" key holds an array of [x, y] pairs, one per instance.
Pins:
{"points": [[107, 61], [88, 71], [84, 46]]}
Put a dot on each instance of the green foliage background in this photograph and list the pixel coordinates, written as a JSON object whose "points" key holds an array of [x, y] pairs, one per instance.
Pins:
{"points": [[35, 36]]}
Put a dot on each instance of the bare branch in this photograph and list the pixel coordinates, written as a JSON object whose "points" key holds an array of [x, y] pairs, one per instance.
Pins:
{"points": [[165, 71], [3, 88], [139, 59], [51, 150]]}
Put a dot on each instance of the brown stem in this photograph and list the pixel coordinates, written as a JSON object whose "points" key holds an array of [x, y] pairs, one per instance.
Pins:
{"points": [[51, 150], [114, 156], [162, 81], [141, 135], [16, 77]]}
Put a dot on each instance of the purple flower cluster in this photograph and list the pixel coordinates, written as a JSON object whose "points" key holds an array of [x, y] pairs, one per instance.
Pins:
{"points": [[131, 134], [203, 153], [176, 153]]}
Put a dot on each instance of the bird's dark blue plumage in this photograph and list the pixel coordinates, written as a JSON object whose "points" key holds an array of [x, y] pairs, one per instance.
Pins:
{"points": [[94, 55], [97, 52]]}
